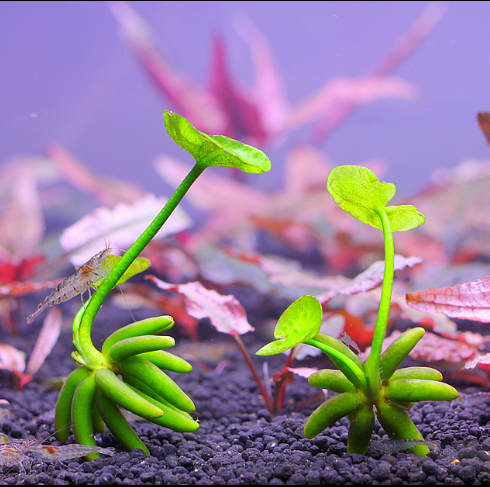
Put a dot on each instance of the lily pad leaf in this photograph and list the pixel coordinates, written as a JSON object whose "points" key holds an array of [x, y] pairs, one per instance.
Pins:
{"points": [[301, 321], [140, 264], [214, 150], [358, 192]]}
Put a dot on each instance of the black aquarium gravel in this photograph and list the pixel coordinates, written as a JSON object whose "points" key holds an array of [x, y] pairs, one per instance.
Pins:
{"points": [[240, 442]]}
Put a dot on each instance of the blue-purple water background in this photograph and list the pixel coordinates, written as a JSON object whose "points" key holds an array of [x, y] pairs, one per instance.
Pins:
{"points": [[67, 76]]}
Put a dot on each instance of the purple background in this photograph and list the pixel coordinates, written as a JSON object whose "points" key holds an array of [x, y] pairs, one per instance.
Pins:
{"points": [[66, 63]]}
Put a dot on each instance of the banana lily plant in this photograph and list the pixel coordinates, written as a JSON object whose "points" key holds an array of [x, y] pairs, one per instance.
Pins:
{"points": [[127, 372], [375, 387]]}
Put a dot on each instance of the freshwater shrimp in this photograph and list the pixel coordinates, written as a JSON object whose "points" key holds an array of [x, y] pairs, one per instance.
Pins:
{"points": [[347, 340], [80, 282], [18, 452], [393, 446]]}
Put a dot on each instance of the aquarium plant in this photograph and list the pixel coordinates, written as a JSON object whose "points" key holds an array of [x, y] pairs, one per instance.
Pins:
{"points": [[376, 387], [127, 372]]}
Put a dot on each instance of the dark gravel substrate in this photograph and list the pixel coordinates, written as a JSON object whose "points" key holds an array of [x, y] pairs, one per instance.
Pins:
{"points": [[240, 442]]}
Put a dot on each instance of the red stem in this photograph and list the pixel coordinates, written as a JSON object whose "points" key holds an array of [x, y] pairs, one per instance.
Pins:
{"points": [[263, 390], [280, 391]]}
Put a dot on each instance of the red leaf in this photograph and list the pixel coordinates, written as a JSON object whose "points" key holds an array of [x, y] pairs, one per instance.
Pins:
{"points": [[484, 122], [335, 97], [420, 29], [269, 275], [432, 348], [263, 114], [225, 312], [11, 272], [437, 322], [48, 336], [468, 301], [478, 360], [371, 278], [21, 219], [268, 92], [28, 266], [8, 272], [11, 359], [306, 170], [108, 192], [119, 226], [196, 104], [242, 114]]}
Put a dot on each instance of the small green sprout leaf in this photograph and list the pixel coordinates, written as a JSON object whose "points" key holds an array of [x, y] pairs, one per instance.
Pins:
{"points": [[301, 321], [140, 264], [214, 150], [358, 192]]}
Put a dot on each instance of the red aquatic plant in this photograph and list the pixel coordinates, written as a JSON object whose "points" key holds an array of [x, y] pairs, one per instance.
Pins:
{"points": [[262, 114]]}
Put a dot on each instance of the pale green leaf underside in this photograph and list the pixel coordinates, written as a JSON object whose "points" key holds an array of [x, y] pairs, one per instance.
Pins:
{"points": [[404, 217], [140, 264], [214, 150], [357, 191], [300, 321]]}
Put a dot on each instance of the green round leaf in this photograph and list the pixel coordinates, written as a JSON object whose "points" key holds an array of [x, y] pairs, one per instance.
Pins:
{"points": [[214, 150], [357, 191], [300, 321]]}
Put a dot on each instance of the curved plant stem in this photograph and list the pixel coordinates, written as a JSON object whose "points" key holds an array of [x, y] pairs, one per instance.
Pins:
{"points": [[89, 353], [372, 363]]}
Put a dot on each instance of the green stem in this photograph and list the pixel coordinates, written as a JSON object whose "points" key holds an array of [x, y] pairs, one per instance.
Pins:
{"points": [[87, 350], [372, 363]]}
